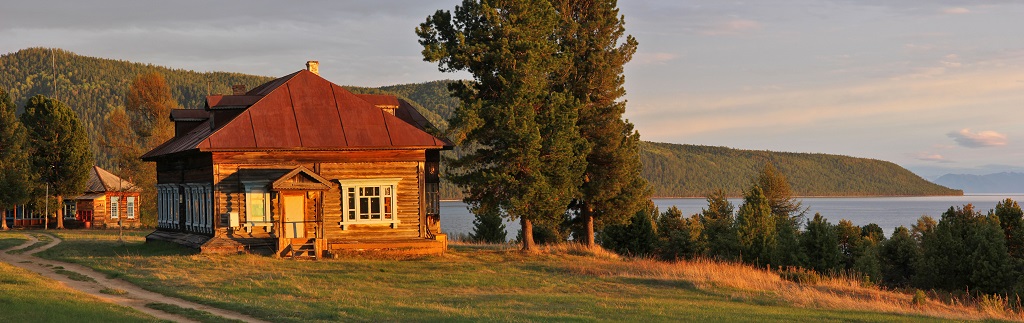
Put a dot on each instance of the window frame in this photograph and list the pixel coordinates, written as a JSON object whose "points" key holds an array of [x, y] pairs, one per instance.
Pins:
{"points": [[344, 185], [260, 188], [114, 207], [129, 207]]}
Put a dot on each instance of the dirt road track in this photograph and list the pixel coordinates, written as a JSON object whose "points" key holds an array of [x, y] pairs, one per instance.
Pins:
{"points": [[136, 297]]}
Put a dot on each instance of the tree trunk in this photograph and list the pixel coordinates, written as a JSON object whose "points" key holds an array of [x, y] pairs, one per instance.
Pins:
{"points": [[590, 226], [60, 212], [528, 244], [3, 223]]}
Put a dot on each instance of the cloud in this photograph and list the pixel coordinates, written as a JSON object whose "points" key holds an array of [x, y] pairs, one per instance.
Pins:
{"points": [[933, 157], [732, 27], [981, 139], [654, 58], [956, 11]]}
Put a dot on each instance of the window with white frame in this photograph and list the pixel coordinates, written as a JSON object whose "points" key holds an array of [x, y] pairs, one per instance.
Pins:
{"points": [[130, 207], [368, 201], [257, 203], [114, 207]]}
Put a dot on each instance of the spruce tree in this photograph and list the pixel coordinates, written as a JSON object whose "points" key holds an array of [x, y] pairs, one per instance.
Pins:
{"points": [[821, 244], [1011, 220], [489, 228], [60, 151], [526, 157], [589, 35], [15, 178], [899, 255], [719, 234], [756, 228]]}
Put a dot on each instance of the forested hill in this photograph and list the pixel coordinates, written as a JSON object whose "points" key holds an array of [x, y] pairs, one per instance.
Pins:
{"points": [[690, 170], [92, 86]]}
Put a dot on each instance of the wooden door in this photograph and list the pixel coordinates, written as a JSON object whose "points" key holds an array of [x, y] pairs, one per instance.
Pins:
{"points": [[294, 216]]}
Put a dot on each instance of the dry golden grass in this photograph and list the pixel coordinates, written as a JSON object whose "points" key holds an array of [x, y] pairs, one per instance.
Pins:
{"points": [[747, 283]]}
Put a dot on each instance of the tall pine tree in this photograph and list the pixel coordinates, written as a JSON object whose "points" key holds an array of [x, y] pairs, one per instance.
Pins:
{"points": [[589, 35], [526, 156], [15, 178], [60, 152]]}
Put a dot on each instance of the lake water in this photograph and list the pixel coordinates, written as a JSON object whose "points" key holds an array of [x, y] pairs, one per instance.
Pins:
{"points": [[887, 212]]}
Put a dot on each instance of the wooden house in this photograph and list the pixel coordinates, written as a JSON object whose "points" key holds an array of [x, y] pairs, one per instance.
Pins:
{"points": [[300, 166], [109, 201]]}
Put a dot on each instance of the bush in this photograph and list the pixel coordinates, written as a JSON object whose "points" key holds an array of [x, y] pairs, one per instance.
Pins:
{"points": [[919, 297]]}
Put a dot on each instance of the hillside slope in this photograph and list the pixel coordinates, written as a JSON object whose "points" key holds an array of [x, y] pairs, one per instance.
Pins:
{"points": [[92, 86], [690, 170]]}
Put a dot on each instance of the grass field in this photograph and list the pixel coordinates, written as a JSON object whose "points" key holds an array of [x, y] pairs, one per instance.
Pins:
{"points": [[28, 297], [473, 283]]}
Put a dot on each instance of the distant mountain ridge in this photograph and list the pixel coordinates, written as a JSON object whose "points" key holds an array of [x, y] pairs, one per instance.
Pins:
{"points": [[1005, 182], [92, 86]]}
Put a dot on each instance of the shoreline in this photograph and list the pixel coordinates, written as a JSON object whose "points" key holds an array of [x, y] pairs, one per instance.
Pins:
{"points": [[831, 196]]}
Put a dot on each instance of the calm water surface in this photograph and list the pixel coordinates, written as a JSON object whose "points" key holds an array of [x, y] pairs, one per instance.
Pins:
{"points": [[887, 212]]}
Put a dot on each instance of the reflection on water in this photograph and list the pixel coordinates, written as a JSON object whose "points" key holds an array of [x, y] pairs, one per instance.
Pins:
{"points": [[887, 212]]}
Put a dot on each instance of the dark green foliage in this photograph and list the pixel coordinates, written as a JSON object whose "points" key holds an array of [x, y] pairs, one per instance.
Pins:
{"points": [[488, 227], [679, 237], [691, 170], [528, 156], [821, 244], [16, 178], [1011, 220], [757, 228], [719, 225], [849, 242], [588, 34], [898, 256], [965, 251], [60, 151], [872, 232], [635, 238]]}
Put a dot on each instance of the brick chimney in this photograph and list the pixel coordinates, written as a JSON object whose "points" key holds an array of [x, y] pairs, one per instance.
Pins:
{"points": [[238, 89], [313, 66]]}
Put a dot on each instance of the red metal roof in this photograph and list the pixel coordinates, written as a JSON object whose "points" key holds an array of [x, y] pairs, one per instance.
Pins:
{"points": [[380, 99], [303, 111]]}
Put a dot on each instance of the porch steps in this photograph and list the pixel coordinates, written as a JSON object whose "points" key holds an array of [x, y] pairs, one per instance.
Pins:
{"points": [[301, 248]]}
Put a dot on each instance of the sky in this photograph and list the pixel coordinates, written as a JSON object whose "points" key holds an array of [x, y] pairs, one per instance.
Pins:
{"points": [[936, 86]]}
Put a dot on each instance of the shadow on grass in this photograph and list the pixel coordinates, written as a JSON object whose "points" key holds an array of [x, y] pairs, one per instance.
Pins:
{"points": [[69, 250]]}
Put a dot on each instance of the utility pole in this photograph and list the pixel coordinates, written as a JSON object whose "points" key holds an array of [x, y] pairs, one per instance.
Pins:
{"points": [[46, 208]]}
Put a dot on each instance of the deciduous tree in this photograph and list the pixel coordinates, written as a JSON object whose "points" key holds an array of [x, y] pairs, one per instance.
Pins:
{"points": [[60, 150]]}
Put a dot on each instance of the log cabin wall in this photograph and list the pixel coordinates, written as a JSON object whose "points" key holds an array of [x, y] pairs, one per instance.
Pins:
{"points": [[407, 196], [182, 169], [232, 169]]}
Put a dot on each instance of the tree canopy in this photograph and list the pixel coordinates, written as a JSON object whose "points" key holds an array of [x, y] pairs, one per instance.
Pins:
{"points": [[527, 158], [60, 151]]}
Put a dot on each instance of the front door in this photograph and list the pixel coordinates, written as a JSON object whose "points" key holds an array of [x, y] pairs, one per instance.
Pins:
{"points": [[294, 216]]}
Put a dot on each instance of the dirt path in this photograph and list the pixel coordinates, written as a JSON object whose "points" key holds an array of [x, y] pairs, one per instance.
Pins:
{"points": [[135, 297]]}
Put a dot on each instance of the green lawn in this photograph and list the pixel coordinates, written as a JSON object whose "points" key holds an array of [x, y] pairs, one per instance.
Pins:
{"points": [[28, 297], [463, 285]]}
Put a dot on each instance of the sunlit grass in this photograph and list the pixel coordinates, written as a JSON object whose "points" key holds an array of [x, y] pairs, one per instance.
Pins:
{"points": [[28, 297], [474, 282]]}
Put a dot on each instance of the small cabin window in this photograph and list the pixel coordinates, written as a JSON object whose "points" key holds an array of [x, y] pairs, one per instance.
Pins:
{"points": [[114, 207], [257, 205], [368, 201], [130, 207]]}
